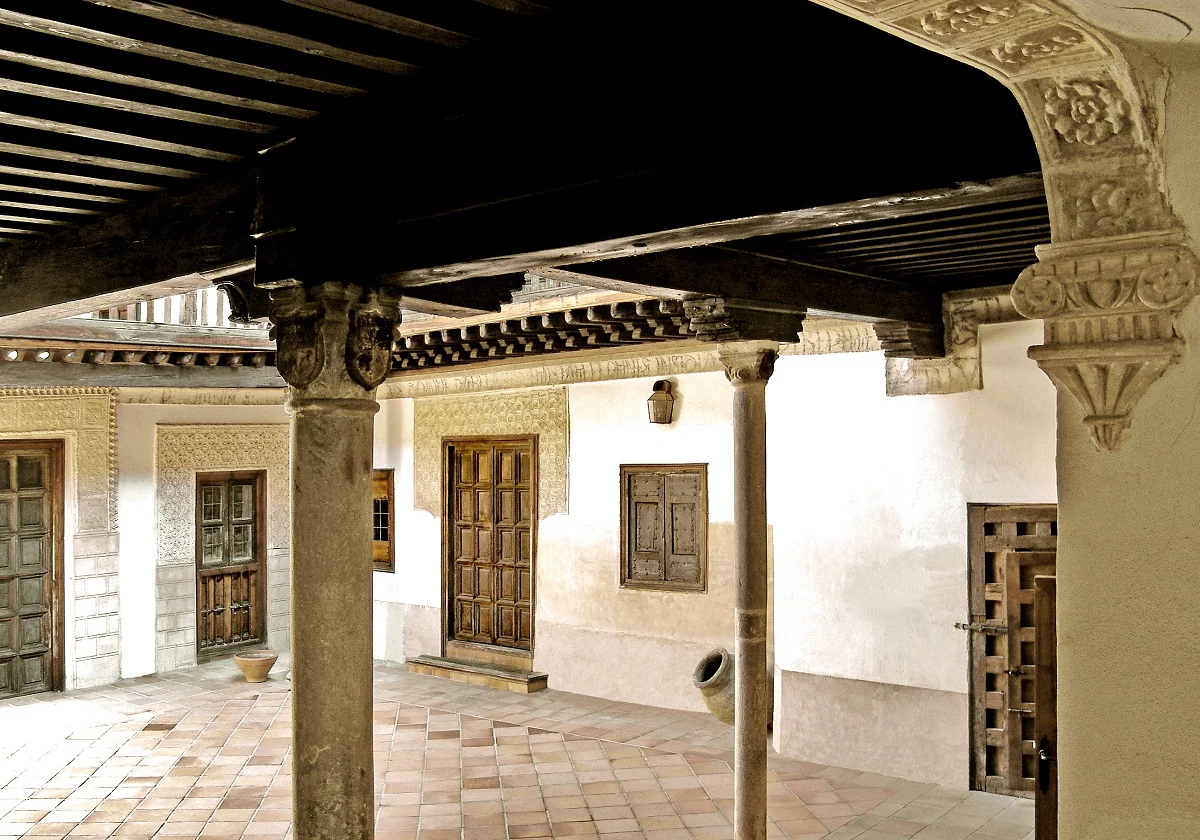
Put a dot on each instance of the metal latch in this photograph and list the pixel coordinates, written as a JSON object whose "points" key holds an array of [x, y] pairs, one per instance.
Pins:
{"points": [[981, 626]]}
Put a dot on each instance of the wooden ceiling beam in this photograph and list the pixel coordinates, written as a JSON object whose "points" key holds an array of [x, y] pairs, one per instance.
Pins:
{"points": [[179, 55], [83, 178], [87, 71], [104, 136], [48, 153], [69, 93], [224, 26], [729, 272], [388, 21]]}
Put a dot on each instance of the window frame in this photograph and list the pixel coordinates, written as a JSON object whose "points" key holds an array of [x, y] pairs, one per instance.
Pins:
{"points": [[626, 558], [388, 565]]}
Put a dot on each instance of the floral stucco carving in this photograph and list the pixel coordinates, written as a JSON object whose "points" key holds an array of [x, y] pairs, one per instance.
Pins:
{"points": [[88, 416], [183, 451], [1094, 114], [540, 411], [1086, 111]]}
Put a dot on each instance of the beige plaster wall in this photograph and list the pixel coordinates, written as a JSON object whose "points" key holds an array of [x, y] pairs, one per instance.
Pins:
{"points": [[1129, 577]]}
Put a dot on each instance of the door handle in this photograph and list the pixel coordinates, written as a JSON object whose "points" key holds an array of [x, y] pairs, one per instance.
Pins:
{"points": [[1045, 756]]}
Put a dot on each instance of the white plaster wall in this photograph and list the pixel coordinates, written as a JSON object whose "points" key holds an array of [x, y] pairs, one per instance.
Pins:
{"points": [[135, 509], [868, 498], [407, 619]]}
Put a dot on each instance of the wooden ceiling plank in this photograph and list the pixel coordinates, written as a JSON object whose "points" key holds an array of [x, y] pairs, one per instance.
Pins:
{"points": [[96, 160], [73, 178], [20, 232], [130, 106], [202, 94], [1037, 209], [236, 29], [95, 37], [89, 133], [1002, 242], [928, 266], [902, 240]]}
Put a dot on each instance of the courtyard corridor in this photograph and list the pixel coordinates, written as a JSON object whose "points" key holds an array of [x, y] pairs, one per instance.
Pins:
{"points": [[200, 753]]}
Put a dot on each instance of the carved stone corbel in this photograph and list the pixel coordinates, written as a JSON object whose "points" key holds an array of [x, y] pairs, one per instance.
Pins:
{"points": [[1109, 307], [962, 367]]}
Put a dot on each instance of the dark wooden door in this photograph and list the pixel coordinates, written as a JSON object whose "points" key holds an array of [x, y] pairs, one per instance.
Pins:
{"points": [[491, 510], [1010, 545], [230, 562], [1046, 722], [30, 567]]}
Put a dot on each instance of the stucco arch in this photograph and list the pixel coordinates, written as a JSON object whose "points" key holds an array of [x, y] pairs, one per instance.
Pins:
{"points": [[1118, 268]]}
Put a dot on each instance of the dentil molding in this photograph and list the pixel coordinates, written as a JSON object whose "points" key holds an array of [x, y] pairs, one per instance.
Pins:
{"points": [[1119, 268]]}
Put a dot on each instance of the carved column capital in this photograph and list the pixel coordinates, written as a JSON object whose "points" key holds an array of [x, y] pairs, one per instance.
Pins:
{"points": [[1109, 306], [334, 340], [748, 362]]}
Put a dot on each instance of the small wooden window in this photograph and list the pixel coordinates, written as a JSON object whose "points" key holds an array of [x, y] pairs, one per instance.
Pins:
{"points": [[383, 553], [664, 526]]}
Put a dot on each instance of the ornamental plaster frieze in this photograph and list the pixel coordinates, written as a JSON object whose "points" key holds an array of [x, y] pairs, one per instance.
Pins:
{"points": [[88, 416], [1119, 269], [962, 368], [540, 412], [201, 396]]}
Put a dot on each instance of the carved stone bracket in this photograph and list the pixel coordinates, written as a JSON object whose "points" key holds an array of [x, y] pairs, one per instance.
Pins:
{"points": [[962, 367], [1109, 307], [334, 340]]}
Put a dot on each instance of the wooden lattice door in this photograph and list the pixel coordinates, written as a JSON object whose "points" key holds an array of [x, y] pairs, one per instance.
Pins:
{"points": [[492, 506], [230, 562], [30, 567], [1009, 547]]}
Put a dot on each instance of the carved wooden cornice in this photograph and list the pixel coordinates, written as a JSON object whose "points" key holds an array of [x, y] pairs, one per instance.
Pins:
{"points": [[1119, 268]]}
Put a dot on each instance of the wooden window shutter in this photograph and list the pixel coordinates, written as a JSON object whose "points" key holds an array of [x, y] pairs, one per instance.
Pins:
{"points": [[664, 523], [383, 518]]}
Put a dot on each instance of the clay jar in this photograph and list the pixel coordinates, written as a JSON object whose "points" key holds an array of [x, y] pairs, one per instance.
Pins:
{"points": [[255, 664]]}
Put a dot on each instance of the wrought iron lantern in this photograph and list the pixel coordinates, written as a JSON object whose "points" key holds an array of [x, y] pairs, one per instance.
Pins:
{"points": [[661, 403]]}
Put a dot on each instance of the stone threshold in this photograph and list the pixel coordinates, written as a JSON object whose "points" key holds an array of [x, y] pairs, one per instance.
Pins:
{"points": [[491, 676]]}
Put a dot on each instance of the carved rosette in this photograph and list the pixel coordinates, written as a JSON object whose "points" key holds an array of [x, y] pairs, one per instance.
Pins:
{"points": [[334, 340], [1109, 307]]}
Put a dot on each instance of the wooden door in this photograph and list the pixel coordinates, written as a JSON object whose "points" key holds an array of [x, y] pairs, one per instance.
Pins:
{"points": [[31, 525], [491, 511], [1009, 546], [230, 562], [1046, 721]]}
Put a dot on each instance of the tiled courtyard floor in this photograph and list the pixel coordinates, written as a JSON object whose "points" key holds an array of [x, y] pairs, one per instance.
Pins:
{"points": [[200, 753]]}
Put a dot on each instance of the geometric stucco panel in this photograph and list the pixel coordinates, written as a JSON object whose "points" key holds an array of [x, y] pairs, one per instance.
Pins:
{"points": [[183, 451], [88, 415], [540, 411]]}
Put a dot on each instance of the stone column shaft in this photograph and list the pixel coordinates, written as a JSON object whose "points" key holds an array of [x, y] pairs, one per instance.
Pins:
{"points": [[748, 366], [334, 349]]}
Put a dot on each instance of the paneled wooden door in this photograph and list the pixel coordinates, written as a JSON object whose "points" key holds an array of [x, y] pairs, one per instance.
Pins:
{"points": [[491, 501], [230, 562], [1009, 547], [31, 570]]}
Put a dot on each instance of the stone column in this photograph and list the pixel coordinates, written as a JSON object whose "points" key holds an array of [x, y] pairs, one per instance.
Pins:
{"points": [[334, 349], [748, 365]]}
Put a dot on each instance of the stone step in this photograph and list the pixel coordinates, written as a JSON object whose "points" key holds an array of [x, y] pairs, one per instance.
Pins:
{"points": [[492, 676]]}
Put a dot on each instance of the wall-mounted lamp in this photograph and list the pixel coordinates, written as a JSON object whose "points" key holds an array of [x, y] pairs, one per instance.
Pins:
{"points": [[661, 402]]}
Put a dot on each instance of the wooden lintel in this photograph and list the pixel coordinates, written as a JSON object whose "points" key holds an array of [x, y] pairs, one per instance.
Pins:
{"points": [[48, 374]]}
